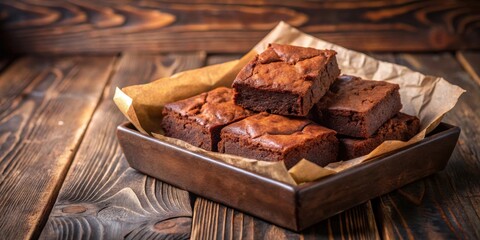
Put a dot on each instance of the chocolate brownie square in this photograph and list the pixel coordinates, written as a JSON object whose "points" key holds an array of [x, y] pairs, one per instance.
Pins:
{"points": [[199, 119], [356, 107], [271, 137], [286, 80], [401, 127]]}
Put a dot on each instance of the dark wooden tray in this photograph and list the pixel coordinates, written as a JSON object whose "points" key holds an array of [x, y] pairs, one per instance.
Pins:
{"points": [[292, 207]]}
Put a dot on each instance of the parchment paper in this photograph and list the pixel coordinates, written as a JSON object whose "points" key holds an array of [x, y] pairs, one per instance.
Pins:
{"points": [[426, 97]]}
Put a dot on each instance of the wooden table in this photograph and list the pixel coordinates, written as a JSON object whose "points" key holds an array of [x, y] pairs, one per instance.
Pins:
{"points": [[63, 174]]}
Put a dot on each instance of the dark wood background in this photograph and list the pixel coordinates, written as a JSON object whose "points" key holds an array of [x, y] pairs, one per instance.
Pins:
{"points": [[73, 26], [63, 174]]}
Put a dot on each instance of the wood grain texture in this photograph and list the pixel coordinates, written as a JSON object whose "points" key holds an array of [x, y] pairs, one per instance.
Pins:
{"points": [[214, 221], [67, 26], [470, 60], [445, 205], [102, 197], [45, 106], [221, 58]]}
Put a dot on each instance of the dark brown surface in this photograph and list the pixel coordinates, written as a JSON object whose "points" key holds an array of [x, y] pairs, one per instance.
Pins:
{"points": [[198, 120], [444, 205], [401, 127], [357, 108], [469, 61], [4, 61], [203, 181], [285, 79], [101, 196], [212, 220], [271, 137], [60, 26], [45, 106], [282, 204]]}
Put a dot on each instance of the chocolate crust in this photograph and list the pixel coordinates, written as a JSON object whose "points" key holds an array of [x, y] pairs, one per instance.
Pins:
{"points": [[286, 80], [356, 107], [272, 137], [199, 119]]}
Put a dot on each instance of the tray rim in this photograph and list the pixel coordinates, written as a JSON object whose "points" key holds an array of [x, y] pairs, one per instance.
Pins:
{"points": [[286, 186], [376, 160], [127, 126]]}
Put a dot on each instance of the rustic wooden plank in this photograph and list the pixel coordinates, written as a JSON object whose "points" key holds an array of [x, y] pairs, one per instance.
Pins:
{"points": [[215, 221], [445, 205], [16, 79], [102, 197], [221, 58], [46, 104], [60, 26], [470, 60]]}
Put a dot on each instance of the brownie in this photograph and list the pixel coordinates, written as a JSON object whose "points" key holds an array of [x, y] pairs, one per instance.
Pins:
{"points": [[271, 137], [286, 80], [199, 119], [401, 127], [356, 107]]}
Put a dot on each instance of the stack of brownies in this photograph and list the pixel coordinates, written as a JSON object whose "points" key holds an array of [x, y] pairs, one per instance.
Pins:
{"points": [[290, 103]]}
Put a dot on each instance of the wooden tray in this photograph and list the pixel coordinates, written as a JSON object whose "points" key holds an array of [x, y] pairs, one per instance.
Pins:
{"points": [[292, 207]]}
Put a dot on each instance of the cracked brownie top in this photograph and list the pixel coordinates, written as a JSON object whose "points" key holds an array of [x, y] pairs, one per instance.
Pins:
{"points": [[351, 93], [285, 68], [276, 131], [212, 108]]}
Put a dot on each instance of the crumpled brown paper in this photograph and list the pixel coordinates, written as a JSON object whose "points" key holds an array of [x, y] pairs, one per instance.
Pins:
{"points": [[426, 97]]}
